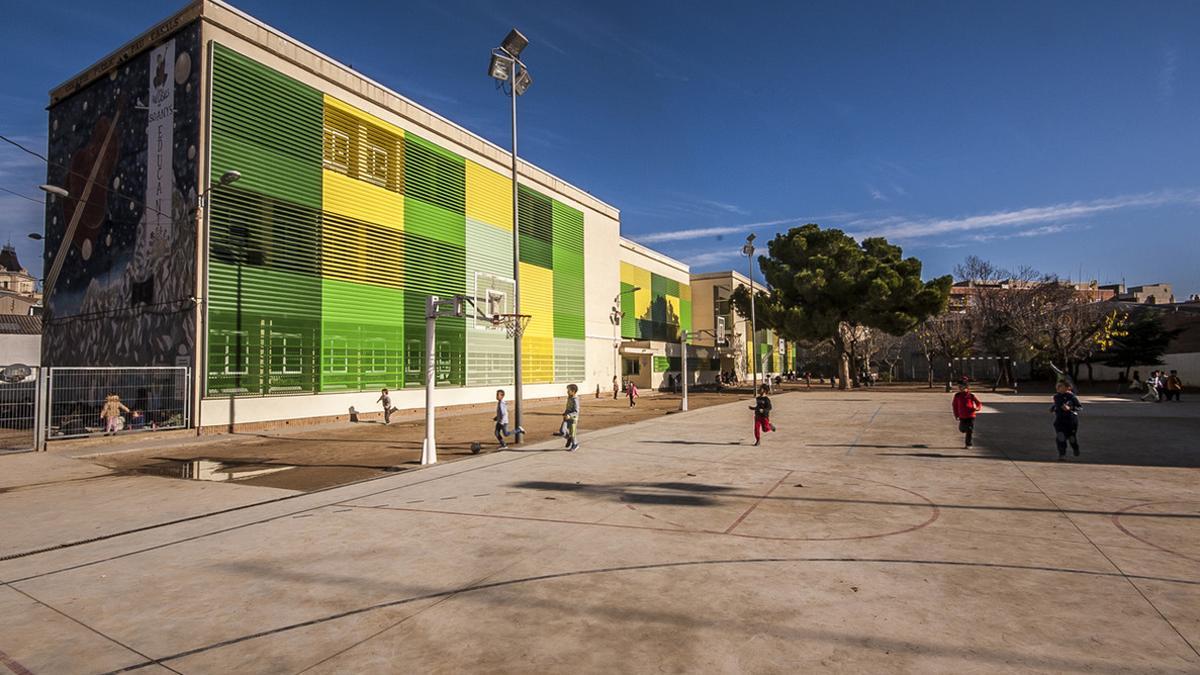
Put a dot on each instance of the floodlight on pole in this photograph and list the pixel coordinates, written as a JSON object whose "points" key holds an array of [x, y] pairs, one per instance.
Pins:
{"points": [[748, 251], [228, 177], [35, 236], [55, 190], [507, 66], [514, 43]]}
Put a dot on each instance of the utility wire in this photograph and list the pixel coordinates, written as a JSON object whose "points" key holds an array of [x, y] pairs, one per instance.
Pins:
{"points": [[18, 194], [124, 195]]}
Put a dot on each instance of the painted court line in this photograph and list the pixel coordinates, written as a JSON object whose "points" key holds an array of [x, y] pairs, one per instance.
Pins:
{"points": [[758, 501]]}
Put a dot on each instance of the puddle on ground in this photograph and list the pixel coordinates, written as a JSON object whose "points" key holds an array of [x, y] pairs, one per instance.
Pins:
{"points": [[210, 469]]}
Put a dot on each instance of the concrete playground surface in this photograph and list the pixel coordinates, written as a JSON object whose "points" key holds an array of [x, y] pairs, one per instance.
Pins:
{"points": [[861, 537]]}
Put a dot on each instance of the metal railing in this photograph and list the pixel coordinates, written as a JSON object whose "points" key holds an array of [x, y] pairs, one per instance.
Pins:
{"points": [[147, 399], [19, 412]]}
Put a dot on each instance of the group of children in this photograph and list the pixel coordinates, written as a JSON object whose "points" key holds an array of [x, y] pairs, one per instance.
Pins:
{"points": [[966, 406], [1065, 406]]}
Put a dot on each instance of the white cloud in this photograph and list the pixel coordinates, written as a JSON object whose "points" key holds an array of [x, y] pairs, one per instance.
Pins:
{"points": [[876, 194], [915, 229], [1166, 75], [712, 257], [722, 206], [683, 235]]}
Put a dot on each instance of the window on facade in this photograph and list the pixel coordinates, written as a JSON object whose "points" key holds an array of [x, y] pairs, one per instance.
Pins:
{"points": [[375, 355], [375, 164], [227, 341], [632, 366], [286, 353], [339, 355], [414, 360], [445, 354], [337, 150]]}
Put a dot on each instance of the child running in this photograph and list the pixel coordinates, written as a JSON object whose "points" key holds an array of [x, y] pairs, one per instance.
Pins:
{"points": [[1066, 419], [632, 392], [965, 406], [571, 417], [501, 420], [386, 399], [762, 413]]}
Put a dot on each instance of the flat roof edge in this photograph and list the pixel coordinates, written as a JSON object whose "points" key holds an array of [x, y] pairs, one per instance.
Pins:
{"points": [[657, 255], [127, 51], [197, 9]]}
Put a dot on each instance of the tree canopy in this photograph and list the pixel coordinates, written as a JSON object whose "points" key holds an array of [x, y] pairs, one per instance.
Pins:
{"points": [[822, 285], [1143, 344]]}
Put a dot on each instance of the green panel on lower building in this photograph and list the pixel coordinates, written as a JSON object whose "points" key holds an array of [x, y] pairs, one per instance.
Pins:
{"points": [[628, 320]]}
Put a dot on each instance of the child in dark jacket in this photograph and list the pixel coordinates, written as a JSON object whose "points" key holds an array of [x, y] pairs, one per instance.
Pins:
{"points": [[965, 406], [1066, 420], [762, 413]]}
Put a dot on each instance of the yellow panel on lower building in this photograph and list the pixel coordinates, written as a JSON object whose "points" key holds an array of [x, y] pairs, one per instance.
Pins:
{"points": [[673, 307], [361, 200], [489, 196], [639, 278]]}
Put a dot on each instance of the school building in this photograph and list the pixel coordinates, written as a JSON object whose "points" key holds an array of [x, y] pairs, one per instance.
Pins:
{"points": [[299, 289]]}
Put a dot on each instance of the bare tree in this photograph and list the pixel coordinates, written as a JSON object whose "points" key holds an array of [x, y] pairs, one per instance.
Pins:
{"points": [[885, 349], [948, 337]]}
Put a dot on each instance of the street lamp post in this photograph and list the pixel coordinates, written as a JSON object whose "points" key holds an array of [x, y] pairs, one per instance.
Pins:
{"points": [[507, 66], [748, 251], [616, 316]]}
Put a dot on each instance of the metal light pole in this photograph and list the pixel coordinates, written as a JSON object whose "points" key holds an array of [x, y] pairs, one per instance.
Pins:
{"points": [[616, 316], [683, 336], [507, 66], [748, 251]]}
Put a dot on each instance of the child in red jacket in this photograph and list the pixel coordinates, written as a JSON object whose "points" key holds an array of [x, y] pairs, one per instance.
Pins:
{"points": [[965, 407]]}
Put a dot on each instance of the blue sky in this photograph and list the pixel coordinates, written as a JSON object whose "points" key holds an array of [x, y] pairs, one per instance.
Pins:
{"points": [[1062, 135]]}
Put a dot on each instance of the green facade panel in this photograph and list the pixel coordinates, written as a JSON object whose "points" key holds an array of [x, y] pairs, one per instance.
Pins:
{"points": [[430, 221], [535, 219], [434, 175], [362, 336], [568, 265], [274, 318], [267, 127]]}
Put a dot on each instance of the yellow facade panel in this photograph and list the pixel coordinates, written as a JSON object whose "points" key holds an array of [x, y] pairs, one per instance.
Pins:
{"points": [[537, 300], [361, 200], [489, 196]]}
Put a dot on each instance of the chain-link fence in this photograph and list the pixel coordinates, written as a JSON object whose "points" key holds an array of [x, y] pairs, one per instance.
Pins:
{"points": [[89, 401]]}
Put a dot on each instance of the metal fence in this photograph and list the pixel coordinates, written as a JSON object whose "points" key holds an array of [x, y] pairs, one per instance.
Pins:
{"points": [[19, 411], [145, 399]]}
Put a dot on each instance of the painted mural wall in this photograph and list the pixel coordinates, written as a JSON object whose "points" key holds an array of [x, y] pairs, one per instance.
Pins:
{"points": [[323, 255], [658, 310], [120, 251]]}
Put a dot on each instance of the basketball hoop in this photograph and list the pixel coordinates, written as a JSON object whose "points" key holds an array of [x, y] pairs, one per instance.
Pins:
{"points": [[513, 324]]}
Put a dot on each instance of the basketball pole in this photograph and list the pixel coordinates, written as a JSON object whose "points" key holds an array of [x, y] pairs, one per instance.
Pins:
{"points": [[429, 447]]}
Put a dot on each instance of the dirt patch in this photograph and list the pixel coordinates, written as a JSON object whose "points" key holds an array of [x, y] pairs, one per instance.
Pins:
{"points": [[336, 455]]}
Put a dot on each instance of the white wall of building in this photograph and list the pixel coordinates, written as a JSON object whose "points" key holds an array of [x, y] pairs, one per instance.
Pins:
{"points": [[26, 349], [1188, 365]]}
